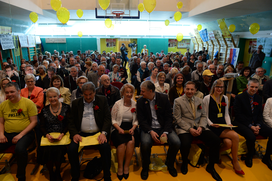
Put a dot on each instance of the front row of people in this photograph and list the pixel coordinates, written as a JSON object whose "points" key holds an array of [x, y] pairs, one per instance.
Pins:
{"points": [[90, 114]]}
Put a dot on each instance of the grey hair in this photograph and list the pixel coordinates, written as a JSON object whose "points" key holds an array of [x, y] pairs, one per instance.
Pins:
{"points": [[148, 85], [150, 63], [253, 81], [88, 86], [115, 65], [43, 67], [53, 89], [30, 76], [199, 63], [45, 61], [75, 68], [142, 62]]}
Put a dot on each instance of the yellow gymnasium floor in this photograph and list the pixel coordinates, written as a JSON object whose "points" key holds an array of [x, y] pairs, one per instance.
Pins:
{"points": [[259, 171]]}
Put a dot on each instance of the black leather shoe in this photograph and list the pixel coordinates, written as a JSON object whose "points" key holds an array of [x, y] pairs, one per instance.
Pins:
{"points": [[184, 168], [144, 174], [172, 171], [268, 162], [120, 177], [214, 174], [126, 176], [248, 162]]}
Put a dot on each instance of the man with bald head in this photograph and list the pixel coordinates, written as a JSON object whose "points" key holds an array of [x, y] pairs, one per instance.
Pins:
{"points": [[95, 77], [111, 92], [257, 59]]}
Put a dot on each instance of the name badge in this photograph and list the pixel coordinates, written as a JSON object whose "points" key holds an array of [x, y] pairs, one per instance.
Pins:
{"points": [[220, 115]]}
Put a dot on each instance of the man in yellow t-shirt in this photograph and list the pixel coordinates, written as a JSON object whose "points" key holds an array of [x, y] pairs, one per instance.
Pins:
{"points": [[18, 117]]}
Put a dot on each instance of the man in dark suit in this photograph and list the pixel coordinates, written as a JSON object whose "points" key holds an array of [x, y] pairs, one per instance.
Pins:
{"points": [[249, 119], [70, 81], [90, 115], [155, 119], [95, 77]]}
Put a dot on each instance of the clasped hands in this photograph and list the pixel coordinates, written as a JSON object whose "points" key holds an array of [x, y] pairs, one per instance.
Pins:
{"points": [[196, 132], [255, 129]]}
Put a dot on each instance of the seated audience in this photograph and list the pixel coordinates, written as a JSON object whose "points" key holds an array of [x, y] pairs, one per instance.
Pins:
{"points": [[206, 85], [261, 78], [18, 117], [216, 108], [198, 93], [178, 88], [142, 74], [88, 65], [239, 67], [95, 76], [54, 118], [46, 80], [70, 81], [11, 74], [155, 119], [4, 82], [32, 92], [160, 85], [106, 89], [249, 119], [170, 76], [90, 115], [107, 71], [219, 71], [125, 134], [65, 94], [197, 74], [77, 93], [191, 122], [30, 70], [80, 72], [186, 72], [42, 71]]}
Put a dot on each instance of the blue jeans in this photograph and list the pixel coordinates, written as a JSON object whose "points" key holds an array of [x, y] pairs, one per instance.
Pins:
{"points": [[147, 142]]}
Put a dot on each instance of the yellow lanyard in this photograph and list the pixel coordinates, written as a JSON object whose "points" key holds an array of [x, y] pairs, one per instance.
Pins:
{"points": [[179, 91], [219, 107]]}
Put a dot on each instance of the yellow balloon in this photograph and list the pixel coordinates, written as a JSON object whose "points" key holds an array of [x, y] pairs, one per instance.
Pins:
{"points": [[199, 27], [112, 26], [177, 16], [63, 15], [141, 7], [232, 28], [55, 4], [108, 23], [179, 5], [221, 25], [104, 4], [79, 33], [167, 22], [179, 36], [79, 13], [149, 5], [254, 28], [33, 17]]}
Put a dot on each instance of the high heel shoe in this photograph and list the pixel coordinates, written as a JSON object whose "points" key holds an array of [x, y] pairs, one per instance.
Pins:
{"points": [[126, 176], [120, 177], [241, 172]]}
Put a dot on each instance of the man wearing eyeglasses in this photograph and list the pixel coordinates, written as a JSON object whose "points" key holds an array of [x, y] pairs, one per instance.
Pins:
{"points": [[257, 58], [259, 75]]}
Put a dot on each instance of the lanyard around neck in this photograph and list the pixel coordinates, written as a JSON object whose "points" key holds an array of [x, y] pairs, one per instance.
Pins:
{"points": [[218, 106]]}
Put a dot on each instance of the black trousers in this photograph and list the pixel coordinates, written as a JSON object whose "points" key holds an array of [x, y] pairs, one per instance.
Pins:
{"points": [[246, 132], [105, 152], [20, 150], [208, 137]]}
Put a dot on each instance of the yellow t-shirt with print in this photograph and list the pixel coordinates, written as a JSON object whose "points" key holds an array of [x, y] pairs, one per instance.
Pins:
{"points": [[15, 122]]}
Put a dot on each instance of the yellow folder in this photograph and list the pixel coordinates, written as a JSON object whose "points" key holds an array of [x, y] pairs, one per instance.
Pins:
{"points": [[88, 141], [64, 141]]}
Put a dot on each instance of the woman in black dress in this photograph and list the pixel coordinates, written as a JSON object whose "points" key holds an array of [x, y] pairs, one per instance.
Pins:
{"points": [[53, 118], [124, 136], [216, 107]]}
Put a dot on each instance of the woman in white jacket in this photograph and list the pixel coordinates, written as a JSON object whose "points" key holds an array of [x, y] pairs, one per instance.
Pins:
{"points": [[124, 121], [267, 113], [216, 107]]}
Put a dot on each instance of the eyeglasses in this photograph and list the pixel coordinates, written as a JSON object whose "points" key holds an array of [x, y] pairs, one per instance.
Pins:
{"points": [[219, 87], [81, 82]]}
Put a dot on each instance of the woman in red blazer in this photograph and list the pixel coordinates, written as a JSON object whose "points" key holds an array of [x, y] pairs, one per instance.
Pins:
{"points": [[32, 92]]}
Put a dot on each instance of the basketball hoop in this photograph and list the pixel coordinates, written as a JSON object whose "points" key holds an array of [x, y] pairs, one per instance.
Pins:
{"points": [[118, 13]]}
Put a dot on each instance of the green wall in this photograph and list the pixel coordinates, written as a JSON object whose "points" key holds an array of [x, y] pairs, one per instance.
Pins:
{"points": [[72, 44], [153, 45], [242, 44]]}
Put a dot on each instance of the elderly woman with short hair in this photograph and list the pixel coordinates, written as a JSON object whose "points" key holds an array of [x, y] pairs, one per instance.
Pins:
{"points": [[124, 136], [54, 119], [115, 76], [46, 63], [65, 94], [77, 93], [42, 71], [160, 85], [33, 92]]}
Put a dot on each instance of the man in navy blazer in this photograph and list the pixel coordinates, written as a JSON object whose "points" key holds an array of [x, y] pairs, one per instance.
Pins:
{"points": [[155, 119], [249, 119]]}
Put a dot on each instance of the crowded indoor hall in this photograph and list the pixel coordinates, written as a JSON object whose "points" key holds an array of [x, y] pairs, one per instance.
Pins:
{"points": [[135, 90]]}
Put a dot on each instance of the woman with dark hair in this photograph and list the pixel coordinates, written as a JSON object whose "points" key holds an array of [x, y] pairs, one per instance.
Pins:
{"points": [[177, 90], [153, 76], [242, 80]]}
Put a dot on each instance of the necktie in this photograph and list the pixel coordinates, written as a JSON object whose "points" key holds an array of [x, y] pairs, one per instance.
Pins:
{"points": [[192, 106], [251, 104]]}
